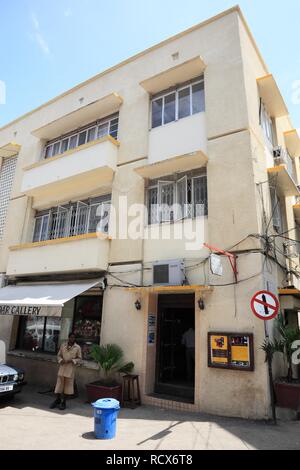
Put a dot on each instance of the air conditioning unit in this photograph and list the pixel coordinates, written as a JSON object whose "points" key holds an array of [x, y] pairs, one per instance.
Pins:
{"points": [[277, 152], [168, 273]]}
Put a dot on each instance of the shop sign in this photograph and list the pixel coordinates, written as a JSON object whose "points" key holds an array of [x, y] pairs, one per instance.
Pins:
{"points": [[231, 351], [30, 310]]}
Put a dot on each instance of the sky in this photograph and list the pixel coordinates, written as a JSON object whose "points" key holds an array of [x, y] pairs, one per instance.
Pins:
{"points": [[49, 46]]}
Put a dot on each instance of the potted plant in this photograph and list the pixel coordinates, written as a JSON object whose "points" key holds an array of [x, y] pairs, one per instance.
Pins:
{"points": [[110, 361], [287, 389]]}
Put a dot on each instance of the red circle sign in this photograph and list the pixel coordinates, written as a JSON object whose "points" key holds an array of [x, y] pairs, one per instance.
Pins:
{"points": [[265, 305]]}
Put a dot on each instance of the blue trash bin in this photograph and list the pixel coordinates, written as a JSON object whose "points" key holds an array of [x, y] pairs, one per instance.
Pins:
{"points": [[105, 417]]}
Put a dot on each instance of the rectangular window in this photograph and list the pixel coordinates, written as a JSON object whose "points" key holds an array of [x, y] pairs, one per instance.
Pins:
{"points": [[276, 210], [39, 334], [55, 150], [181, 193], [87, 322], [267, 125], [184, 103], [198, 100], [37, 229], [153, 214], [99, 217], [200, 196], [73, 141], [113, 128], [94, 131], [73, 219], [82, 214], [166, 200], [64, 145], [41, 228], [91, 134], [179, 104], [169, 108], [185, 196], [82, 138], [157, 107], [48, 152], [103, 130]]}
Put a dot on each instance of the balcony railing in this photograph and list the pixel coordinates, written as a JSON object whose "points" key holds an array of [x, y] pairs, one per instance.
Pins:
{"points": [[282, 157]]}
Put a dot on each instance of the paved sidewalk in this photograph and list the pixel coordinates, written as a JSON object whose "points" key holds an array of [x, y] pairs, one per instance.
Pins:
{"points": [[28, 423]]}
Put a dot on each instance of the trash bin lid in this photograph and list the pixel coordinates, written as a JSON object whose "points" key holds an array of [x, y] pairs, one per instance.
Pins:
{"points": [[106, 404]]}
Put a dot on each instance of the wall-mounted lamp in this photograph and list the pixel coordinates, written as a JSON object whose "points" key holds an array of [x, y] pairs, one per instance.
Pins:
{"points": [[201, 303], [138, 305]]}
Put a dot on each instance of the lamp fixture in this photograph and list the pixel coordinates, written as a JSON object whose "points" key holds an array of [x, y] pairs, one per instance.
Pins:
{"points": [[201, 303], [138, 305]]}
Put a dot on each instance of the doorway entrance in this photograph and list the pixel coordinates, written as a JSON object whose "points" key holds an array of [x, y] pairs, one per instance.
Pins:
{"points": [[175, 359]]}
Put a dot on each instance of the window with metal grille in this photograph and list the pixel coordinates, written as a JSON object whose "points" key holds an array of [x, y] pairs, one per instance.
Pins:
{"points": [[176, 198], [73, 219], [267, 125], [276, 210], [91, 132], [7, 173]]}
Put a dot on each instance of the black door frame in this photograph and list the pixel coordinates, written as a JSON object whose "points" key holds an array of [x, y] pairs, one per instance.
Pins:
{"points": [[169, 301]]}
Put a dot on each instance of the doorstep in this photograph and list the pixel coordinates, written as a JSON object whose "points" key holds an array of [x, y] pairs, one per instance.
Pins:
{"points": [[287, 414], [170, 403]]}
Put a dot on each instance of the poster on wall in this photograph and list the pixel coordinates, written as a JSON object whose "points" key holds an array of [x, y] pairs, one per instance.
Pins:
{"points": [[231, 351], [151, 328]]}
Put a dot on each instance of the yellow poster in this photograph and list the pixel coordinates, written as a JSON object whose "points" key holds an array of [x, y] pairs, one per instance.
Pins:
{"points": [[219, 349]]}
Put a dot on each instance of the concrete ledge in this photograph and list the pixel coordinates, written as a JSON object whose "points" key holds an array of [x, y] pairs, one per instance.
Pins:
{"points": [[287, 414]]}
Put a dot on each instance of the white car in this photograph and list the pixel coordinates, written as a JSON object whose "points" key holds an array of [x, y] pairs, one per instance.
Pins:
{"points": [[11, 380]]}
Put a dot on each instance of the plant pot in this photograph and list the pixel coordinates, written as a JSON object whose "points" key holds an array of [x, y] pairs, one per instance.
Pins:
{"points": [[288, 395], [96, 391]]}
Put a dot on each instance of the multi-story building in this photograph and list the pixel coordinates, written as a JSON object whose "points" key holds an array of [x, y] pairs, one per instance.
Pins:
{"points": [[195, 131]]}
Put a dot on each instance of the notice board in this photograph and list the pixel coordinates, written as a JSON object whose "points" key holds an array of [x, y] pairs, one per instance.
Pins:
{"points": [[231, 351]]}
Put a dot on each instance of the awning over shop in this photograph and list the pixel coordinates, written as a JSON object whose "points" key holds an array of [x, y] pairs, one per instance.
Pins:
{"points": [[43, 300]]}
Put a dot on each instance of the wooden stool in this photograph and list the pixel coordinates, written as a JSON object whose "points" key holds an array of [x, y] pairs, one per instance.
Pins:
{"points": [[131, 396]]}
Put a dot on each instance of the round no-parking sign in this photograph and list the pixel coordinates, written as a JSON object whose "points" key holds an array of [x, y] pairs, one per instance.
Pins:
{"points": [[265, 305]]}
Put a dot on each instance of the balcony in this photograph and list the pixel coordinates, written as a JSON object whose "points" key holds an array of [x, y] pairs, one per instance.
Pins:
{"points": [[271, 96], [73, 174], [283, 174], [292, 141], [87, 252], [178, 146]]}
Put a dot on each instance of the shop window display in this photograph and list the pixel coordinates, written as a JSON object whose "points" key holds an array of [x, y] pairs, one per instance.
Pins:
{"points": [[87, 322], [39, 334]]}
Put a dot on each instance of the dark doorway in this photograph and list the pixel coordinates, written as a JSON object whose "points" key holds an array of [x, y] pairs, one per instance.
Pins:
{"points": [[175, 365]]}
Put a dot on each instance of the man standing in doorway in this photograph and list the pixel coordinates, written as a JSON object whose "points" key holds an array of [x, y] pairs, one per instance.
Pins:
{"points": [[188, 340], [69, 355]]}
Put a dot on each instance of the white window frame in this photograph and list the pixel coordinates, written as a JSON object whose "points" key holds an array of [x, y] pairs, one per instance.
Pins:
{"points": [[266, 123], [160, 183], [87, 129], [176, 91], [183, 215]]}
